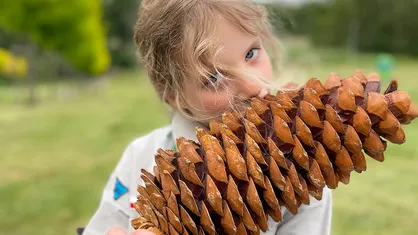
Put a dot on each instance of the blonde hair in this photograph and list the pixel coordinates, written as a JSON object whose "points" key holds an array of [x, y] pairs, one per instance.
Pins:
{"points": [[176, 40]]}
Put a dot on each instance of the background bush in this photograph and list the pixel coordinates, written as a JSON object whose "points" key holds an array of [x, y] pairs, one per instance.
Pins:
{"points": [[74, 28], [365, 26]]}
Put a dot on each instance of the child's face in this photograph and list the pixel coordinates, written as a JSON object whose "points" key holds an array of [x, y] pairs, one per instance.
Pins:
{"points": [[240, 50]]}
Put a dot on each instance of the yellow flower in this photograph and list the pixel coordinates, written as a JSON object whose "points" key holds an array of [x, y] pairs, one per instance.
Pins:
{"points": [[11, 66], [4, 57]]}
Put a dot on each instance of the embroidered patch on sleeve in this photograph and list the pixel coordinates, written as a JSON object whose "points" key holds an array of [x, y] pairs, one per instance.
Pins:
{"points": [[119, 190]]}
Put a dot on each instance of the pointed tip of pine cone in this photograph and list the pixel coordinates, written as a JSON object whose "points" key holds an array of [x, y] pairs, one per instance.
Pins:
{"points": [[355, 85], [373, 77], [334, 80], [360, 75], [413, 110], [399, 102], [141, 223], [397, 138], [393, 86], [346, 99], [317, 86], [377, 105]]}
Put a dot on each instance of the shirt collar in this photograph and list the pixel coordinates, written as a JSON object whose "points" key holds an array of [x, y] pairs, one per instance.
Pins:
{"points": [[183, 127]]}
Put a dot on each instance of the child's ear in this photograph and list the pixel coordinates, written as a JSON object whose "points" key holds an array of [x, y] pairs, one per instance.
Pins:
{"points": [[170, 99]]}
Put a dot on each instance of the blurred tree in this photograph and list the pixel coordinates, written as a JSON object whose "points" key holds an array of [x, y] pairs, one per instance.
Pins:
{"points": [[6, 38], [74, 28], [367, 26], [120, 17]]}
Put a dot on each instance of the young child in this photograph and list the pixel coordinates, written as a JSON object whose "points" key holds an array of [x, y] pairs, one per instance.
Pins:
{"points": [[203, 57]]}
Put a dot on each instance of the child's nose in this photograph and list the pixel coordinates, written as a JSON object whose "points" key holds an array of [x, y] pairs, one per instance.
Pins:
{"points": [[246, 89]]}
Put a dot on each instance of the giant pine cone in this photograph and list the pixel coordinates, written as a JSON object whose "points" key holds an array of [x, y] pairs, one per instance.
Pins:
{"points": [[281, 150]]}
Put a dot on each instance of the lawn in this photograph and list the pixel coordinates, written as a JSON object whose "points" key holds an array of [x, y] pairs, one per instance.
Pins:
{"points": [[56, 157]]}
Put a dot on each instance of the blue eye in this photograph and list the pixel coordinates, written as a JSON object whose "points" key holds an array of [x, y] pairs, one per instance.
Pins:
{"points": [[252, 54], [213, 80]]}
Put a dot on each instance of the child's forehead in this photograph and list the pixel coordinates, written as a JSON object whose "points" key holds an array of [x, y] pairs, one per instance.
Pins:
{"points": [[220, 38], [234, 41]]}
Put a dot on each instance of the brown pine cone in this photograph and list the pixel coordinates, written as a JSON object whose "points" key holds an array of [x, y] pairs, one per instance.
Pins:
{"points": [[281, 150]]}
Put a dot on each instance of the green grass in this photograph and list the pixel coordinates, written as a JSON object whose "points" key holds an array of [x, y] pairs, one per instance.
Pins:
{"points": [[56, 157]]}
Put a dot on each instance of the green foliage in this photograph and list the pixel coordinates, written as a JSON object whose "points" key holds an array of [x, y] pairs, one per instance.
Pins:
{"points": [[367, 26], [73, 28], [120, 17]]}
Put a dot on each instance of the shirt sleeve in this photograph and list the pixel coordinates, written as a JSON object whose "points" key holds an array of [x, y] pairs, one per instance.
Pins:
{"points": [[114, 208], [313, 219]]}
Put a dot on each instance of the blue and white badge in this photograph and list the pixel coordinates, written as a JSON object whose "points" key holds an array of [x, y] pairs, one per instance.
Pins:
{"points": [[119, 189]]}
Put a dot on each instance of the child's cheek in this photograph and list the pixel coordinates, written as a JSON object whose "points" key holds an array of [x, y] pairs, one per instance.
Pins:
{"points": [[266, 67], [262, 67], [214, 102]]}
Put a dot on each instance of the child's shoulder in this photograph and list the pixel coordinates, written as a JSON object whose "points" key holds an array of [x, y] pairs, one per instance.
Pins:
{"points": [[139, 153], [154, 139]]}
